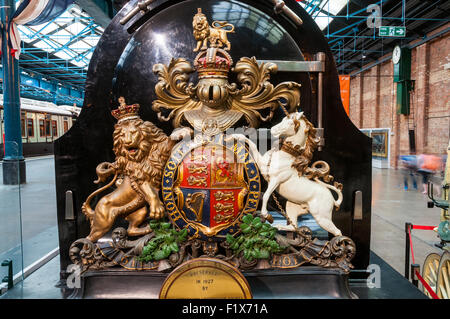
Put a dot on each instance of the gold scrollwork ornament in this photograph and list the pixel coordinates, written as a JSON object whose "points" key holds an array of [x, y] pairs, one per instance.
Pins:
{"points": [[213, 97]]}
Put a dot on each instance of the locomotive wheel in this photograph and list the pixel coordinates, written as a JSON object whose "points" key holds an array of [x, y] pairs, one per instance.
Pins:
{"points": [[430, 272], [443, 279]]}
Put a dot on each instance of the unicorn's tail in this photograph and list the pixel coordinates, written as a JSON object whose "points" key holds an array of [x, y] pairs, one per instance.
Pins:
{"points": [[337, 188]]}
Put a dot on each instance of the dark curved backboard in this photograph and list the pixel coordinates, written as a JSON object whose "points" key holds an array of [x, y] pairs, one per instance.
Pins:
{"points": [[122, 66]]}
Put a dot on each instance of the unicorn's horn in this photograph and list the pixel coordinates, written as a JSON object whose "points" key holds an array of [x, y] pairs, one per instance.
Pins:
{"points": [[284, 110]]}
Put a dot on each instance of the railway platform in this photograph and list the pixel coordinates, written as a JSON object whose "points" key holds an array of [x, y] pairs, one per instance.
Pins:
{"points": [[33, 233]]}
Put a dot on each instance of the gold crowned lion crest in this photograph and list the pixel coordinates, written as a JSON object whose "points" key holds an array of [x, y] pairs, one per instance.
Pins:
{"points": [[216, 33]]}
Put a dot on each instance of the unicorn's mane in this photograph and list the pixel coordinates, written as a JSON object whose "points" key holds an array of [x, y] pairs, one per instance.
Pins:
{"points": [[312, 141]]}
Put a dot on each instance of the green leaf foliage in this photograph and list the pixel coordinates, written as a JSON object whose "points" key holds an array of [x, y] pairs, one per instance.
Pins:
{"points": [[165, 242], [256, 240]]}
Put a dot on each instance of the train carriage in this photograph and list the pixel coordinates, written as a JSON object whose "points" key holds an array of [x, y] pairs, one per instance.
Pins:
{"points": [[41, 123]]}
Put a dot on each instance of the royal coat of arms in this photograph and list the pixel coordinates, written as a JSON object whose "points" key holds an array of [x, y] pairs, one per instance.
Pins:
{"points": [[208, 186], [198, 191]]}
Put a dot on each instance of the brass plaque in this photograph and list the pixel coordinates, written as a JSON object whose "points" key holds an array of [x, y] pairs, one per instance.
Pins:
{"points": [[205, 278]]}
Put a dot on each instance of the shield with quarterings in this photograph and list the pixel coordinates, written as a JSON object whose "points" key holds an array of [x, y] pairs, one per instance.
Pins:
{"points": [[208, 185]]}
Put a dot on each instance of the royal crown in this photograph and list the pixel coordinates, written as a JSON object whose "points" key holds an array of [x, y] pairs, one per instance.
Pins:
{"points": [[125, 111], [213, 62]]}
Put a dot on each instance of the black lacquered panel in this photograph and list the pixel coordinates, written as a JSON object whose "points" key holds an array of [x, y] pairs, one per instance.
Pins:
{"points": [[122, 65]]}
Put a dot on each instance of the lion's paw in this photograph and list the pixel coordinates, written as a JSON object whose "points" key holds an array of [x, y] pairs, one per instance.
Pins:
{"points": [[156, 210]]}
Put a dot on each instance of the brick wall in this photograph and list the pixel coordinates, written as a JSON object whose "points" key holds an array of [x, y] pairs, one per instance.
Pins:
{"points": [[373, 99]]}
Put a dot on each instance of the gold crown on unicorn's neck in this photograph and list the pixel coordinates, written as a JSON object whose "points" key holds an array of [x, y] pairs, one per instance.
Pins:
{"points": [[124, 111]]}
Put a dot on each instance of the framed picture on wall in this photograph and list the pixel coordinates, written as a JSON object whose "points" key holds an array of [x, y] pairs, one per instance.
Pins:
{"points": [[379, 144]]}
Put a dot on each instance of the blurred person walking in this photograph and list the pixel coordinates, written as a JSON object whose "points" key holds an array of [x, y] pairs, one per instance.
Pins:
{"points": [[428, 165], [409, 164]]}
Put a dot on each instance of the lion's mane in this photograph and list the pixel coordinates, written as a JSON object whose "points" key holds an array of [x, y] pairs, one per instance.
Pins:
{"points": [[200, 35], [155, 147]]}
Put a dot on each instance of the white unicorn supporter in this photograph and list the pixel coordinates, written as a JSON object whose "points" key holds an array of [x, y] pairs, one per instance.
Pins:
{"points": [[286, 171]]}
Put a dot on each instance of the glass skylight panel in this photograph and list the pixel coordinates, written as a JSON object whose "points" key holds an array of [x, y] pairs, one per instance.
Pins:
{"points": [[75, 27], [44, 28], [24, 35], [61, 37], [78, 63], [67, 43], [323, 21], [333, 7], [79, 46], [46, 45], [92, 41], [63, 55]]}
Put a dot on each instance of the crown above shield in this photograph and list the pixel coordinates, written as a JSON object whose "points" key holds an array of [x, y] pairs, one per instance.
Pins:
{"points": [[213, 62], [213, 99]]}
